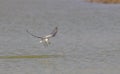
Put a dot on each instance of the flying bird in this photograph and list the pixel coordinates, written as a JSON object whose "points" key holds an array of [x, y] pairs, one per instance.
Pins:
{"points": [[45, 39]]}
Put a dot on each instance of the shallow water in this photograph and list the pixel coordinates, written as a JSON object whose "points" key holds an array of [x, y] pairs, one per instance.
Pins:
{"points": [[88, 39]]}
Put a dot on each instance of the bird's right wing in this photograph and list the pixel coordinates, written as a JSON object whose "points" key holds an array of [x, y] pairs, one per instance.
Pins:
{"points": [[32, 34]]}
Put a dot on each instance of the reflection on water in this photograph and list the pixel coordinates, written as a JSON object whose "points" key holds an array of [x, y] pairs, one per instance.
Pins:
{"points": [[30, 56]]}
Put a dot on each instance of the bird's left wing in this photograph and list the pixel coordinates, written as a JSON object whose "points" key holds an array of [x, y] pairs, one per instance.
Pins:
{"points": [[54, 32]]}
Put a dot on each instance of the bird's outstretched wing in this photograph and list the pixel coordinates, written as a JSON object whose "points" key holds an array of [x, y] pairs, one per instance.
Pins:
{"points": [[32, 34], [53, 33]]}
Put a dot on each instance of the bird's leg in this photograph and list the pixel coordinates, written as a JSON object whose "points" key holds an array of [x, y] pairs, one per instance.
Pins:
{"points": [[45, 42], [45, 45]]}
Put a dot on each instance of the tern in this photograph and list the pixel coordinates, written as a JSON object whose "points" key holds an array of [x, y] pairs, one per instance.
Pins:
{"points": [[45, 39]]}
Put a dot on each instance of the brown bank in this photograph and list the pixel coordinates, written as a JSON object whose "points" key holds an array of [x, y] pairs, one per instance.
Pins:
{"points": [[106, 1]]}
